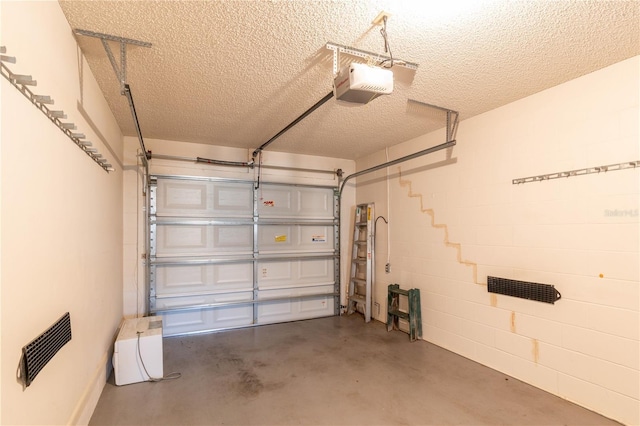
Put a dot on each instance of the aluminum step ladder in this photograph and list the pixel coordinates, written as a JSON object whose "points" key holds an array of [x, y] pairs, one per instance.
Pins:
{"points": [[412, 315], [362, 267]]}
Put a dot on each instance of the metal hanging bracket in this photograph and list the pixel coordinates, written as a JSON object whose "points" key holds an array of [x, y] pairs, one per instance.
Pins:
{"points": [[339, 48], [121, 74], [121, 71], [452, 117], [21, 82]]}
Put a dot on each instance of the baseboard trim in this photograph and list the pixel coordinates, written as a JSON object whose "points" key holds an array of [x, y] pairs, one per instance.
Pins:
{"points": [[89, 399]]}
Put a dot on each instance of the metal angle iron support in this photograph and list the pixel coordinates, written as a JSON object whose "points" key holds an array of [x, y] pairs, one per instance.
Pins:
{"points": [[41, 102], [121, 71], [121, 75], [452, 117], [339, 48]]}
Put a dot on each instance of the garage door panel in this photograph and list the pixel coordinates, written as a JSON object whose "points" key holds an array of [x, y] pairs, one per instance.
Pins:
{"points": [[279, 201], [187, 198], [232, 200], [316, 238], [204, 278], [181, 278], [274, 201], [199, 240], [316, 270], [205, 318], [184, 320], [310, 308], [295, 238], [316, 305], [287, 274], [225, 254], [183, 198], [280, 272], [315, 203], [182, 238], [233, 237]]}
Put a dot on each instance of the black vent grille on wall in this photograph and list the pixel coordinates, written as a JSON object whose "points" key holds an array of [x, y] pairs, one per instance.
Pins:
{"points": [[523, 289], [39, 352]]}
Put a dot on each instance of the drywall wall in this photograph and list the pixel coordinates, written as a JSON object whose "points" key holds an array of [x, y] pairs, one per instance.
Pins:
{"points": [[61, 222], [456, 218], [134, 279]]}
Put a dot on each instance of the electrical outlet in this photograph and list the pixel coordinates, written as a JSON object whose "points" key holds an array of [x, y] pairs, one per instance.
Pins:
{"points": [[387, 268]]}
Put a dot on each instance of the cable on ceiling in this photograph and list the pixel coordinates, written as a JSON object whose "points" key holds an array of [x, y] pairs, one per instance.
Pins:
{"points": [[387, 47]]}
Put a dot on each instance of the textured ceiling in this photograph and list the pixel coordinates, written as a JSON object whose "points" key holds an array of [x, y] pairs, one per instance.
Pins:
{"points": [[234, 73]]}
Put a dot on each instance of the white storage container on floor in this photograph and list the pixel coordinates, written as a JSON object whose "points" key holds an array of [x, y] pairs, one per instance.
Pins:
{"points": [[139, 341]]}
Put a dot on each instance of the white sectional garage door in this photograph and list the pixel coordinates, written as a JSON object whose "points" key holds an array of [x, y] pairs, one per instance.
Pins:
{"points": [[224, 254]]}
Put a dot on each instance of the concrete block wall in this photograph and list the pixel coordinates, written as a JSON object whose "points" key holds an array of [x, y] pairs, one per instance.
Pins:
{"points": [[61, 221], [455, 219]]}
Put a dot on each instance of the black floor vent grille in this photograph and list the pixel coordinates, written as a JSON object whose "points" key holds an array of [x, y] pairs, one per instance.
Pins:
{"points": [[523, 289], [39, 352]]}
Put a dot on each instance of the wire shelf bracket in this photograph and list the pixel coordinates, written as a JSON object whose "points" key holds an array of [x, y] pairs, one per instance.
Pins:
{"points": [[579, 172], [21, 82]]}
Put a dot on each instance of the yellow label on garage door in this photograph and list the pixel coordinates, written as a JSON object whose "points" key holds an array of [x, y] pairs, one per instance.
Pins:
{"points": [[281, 238]]}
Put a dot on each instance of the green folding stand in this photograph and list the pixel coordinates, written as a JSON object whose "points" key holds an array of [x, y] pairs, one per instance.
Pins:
{"points": [[412, 316]]}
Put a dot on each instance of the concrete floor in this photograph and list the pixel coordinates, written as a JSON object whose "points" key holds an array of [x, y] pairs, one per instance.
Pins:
{"points": [[330, 371]]}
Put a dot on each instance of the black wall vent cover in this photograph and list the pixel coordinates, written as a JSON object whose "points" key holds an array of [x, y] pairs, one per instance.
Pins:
{"points": [[39, 352], [523, 289]]}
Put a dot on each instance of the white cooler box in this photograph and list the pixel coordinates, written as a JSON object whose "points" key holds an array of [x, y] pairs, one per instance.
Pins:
{"points": [[128, 358]]}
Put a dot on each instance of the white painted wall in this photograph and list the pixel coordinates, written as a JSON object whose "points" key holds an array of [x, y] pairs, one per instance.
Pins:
{"points": [[580, 234], [134, 280], [61, 222]]}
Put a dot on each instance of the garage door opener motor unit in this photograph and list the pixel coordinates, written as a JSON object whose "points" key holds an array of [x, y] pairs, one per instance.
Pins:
{"points": [[361, 83]]}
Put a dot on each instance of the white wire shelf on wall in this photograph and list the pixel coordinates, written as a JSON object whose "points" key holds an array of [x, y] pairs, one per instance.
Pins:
{"points": [[22, 83], [579, 172]]}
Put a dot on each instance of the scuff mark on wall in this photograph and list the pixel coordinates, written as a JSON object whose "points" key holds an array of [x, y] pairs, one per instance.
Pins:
{"points": [[443, 226], [535, 350], [513, 322]]}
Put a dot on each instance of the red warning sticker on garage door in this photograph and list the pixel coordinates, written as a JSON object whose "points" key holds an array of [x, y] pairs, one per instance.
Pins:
{"points": [[269, 203]]}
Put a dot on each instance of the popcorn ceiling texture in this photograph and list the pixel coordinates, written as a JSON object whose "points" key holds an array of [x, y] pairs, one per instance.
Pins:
{"points": [[234, 73]]}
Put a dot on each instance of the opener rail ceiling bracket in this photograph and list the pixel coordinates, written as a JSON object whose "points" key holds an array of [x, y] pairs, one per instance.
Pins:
{"points": [[339, 48], [121, 72]]}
